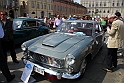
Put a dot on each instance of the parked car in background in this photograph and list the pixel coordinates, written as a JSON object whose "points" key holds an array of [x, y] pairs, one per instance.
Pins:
{"points": [[28, 28], [64, 54]]}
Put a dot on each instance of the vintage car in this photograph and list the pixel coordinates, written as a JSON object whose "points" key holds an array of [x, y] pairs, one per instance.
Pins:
{"points": [[65, 52], [28, 28]]}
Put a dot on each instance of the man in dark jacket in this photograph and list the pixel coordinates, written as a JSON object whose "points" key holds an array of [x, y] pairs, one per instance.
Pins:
{"points": [[8, 39], [3, 63]]}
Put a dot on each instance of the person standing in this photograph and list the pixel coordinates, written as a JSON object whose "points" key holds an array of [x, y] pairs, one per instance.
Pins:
{"points": [[70, 17], [46, 21], [115, 40], [8, 40], [64, 18], [74, 17], [57, 21], [3, 63]]}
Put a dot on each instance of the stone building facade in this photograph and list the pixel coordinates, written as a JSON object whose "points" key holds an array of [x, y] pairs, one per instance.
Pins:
{"points": [[50, 8], [2, 4], [103, 7], [11, 7], [36, 8], [68, 7], [41, 8]]}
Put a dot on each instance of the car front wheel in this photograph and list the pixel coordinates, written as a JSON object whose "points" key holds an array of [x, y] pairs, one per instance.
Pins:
{"points": [[83, 66]]}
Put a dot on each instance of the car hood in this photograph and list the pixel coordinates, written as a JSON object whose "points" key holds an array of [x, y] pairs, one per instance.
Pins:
{"points": [[56, 43]]}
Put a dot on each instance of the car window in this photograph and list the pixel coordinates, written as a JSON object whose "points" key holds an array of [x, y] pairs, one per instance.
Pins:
{"points": [[88, 25], [17, 24], [29, 24], [82, 28], [40, 23], [97, 28]]}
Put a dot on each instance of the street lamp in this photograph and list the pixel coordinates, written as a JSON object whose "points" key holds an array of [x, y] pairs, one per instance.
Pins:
{"points": [[47, 7], [36, 7], [15, 7]]}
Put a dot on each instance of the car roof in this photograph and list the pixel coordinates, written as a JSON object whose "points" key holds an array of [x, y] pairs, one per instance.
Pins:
{"points": [[87, 21], [25, 18]]}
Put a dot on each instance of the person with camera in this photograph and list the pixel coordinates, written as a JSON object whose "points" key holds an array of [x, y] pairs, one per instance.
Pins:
{"points": [[115, 40]]}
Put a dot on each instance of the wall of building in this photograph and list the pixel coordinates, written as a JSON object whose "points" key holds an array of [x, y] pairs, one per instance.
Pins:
{"points": [[50, 8], [104, 6], [68, 7], [11, 7], [39, 8], [1, 4]]}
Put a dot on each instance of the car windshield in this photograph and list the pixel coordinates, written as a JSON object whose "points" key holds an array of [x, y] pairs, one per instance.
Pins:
{"points": [[17, 24], [80, 28]]}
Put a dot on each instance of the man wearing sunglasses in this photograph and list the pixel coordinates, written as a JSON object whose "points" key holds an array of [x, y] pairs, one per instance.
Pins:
{"points": [[8, 39]]}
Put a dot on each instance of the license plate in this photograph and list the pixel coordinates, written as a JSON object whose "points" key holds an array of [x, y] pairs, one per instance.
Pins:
{"points": [[39, 70]]}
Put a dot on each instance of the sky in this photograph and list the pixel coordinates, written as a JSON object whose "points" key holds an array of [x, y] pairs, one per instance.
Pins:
{"points": [[77, 1]]}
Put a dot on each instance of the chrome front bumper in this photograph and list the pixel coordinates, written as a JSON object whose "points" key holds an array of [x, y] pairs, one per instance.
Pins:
{"points": [[59, 75]]}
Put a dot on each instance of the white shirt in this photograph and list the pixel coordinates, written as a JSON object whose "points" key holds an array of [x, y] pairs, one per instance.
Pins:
{"points": [[1, 31]]}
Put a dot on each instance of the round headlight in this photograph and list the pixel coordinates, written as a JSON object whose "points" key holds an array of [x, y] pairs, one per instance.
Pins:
{"points": [[24, 47], [70, 59]]}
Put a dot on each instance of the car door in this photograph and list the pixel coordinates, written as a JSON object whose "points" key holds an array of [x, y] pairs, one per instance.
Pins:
{"points": [[99, 35], [28, 30], [18, 31], [94, 43]]}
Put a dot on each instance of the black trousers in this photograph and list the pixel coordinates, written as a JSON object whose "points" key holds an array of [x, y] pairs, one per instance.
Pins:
{"points": [[112, 57], [9, 46], [104, 28], [3, 64]]}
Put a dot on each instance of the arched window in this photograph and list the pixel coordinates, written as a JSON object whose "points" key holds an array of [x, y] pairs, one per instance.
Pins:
{"points": [[33, 13], [89, 5], [96, 4], [113, 4], [23, 4], [116, 10], [122, 3], [93, 5], [104, 11], [100, 4], [32, 5], [108, 11], [104, 3], [54, 7], [118, 4], [38, 6]]}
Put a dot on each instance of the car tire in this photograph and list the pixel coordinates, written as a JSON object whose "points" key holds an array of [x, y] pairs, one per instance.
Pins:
{"points": [[84, 64], [83, 69]]}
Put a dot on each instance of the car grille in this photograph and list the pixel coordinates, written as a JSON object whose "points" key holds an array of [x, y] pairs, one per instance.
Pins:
{"points": [[46, 60]]}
